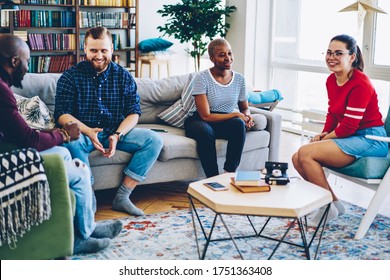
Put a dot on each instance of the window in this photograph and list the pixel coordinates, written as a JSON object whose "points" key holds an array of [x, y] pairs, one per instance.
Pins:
{"points": [[382, 42], [301, 33]]}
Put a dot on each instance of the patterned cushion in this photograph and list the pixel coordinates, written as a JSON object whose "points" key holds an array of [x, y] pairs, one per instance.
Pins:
{"points": [[176, 114], [35, 112]]}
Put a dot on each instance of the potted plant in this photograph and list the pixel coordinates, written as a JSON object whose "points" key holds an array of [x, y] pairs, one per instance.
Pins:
{"points": [[197, 22]]}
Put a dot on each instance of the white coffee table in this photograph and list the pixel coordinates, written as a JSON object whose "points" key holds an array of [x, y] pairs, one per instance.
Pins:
{"points": [[295, 200]]}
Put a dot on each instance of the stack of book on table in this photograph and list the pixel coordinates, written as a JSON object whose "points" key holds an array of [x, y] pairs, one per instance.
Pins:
{"points": [[249, 181]]}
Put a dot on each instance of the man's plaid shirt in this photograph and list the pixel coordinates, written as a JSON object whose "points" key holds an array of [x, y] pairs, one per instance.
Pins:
{"points": [[98, 100]]}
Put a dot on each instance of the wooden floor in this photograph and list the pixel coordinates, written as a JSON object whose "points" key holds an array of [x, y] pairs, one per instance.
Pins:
{"points": [[173, 196], [150, 198]]}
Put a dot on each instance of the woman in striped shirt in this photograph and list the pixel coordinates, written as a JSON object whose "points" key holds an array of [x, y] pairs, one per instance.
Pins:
{"points": [[217, 92], [353, 112]]}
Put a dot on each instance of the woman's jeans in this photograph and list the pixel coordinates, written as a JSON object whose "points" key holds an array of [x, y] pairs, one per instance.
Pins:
{"points": [[206, 133], [144, 144], [80, 183]]}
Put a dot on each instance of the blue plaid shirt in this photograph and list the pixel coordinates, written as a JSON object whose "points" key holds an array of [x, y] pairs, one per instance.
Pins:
{"points": [[98, 100]]}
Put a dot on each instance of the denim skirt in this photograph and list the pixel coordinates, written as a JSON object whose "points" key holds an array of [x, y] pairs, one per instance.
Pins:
{"points": [[358, 145]]}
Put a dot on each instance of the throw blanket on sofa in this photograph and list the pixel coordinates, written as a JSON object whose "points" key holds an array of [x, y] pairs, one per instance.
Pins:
{"points": [[24, 194]]}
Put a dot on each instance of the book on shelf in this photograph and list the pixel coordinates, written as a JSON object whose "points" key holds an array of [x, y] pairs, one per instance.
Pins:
{"points": [[248, 178], [263, 187]]}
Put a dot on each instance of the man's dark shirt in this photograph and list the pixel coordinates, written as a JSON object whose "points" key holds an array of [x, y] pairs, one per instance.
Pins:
{"points": [[98, 100]]}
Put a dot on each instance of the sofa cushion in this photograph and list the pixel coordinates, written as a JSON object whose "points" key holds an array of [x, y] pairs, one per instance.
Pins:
{"points": [[176, 114], [43, 85], [177, 145], [158, 94], [35, 112]]}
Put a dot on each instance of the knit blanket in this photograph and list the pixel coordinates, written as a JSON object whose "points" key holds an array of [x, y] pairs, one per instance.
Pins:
{"points": [[24, 194]]}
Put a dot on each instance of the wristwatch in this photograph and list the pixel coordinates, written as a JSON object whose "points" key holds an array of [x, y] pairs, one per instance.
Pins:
{"points": [[120, 135]]}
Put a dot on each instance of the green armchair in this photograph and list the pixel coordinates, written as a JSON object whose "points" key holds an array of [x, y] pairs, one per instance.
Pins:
{"points": [[53, 239]]}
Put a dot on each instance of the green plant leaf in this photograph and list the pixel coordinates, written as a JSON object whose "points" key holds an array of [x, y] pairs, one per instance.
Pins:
{"points": [[196, 22]]}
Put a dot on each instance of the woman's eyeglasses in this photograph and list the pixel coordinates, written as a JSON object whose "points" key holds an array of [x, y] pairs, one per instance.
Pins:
{"points": [[336, 54]]}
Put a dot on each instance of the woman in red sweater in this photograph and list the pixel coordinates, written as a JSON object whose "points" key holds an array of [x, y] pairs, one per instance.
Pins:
{"points": [[353, 112]]}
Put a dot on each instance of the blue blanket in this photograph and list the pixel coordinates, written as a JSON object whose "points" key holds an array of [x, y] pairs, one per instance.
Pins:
{"points": [[266, 96]]}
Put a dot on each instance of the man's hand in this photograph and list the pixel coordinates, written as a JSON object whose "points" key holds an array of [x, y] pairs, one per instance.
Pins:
{"points": [[113, 140], [92, 133], [73, 130]]}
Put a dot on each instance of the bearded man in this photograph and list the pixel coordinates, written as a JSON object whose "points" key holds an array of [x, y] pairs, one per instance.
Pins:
{"points": [[90, 237], [101, 96]]}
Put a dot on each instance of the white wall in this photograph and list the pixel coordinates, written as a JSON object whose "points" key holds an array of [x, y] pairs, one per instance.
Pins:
{"points": [[148, 22], [250, 26]]}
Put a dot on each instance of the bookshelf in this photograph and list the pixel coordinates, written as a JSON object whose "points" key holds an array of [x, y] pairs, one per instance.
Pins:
{"points": [[55, 30]]}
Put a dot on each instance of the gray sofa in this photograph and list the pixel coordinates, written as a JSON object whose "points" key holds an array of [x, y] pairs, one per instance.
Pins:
{"points": [[178, 159]]}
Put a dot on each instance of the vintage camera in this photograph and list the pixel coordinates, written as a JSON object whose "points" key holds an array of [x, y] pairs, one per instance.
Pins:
{"points": [[276, 173]]}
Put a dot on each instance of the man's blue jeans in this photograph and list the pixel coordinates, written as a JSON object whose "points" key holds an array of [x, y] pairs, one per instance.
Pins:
{"points": [[80, 183], [144, 144]]}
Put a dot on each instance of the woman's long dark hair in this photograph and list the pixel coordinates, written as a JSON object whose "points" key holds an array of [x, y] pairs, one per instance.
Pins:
{"points": [[353, 48]]}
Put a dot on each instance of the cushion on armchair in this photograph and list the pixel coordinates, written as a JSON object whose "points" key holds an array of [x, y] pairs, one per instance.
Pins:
{"points": [[366, 168]]}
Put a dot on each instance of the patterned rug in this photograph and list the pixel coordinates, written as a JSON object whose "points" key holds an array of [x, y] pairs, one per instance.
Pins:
{"points": [[170, 236]]}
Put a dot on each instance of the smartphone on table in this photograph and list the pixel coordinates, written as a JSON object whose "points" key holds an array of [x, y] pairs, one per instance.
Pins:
{"points": [[216, 186]]}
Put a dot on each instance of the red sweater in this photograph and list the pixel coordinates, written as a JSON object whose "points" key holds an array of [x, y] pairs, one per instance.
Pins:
{"points": [[352, 106], [14, 128]]}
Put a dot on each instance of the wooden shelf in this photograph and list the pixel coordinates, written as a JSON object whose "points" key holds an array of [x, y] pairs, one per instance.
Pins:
{"points": [[128, 36]]}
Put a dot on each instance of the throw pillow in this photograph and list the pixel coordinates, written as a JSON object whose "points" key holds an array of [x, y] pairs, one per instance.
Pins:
{"points": [[154, 44], [177, 113], [35, 112]]}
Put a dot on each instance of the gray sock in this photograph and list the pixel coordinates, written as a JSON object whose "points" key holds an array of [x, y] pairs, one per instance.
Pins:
{"points": [[107, 229], [122, 202], [340, 207], [90, 245]]}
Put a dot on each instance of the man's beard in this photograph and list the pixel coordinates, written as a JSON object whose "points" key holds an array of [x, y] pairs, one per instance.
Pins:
{"points": [[18, 77], [99, 68]]}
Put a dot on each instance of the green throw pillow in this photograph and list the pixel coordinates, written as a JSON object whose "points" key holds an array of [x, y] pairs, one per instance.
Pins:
{"points": [[154, 44]]}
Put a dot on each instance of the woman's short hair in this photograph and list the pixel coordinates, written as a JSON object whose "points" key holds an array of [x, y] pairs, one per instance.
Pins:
{"points": [[215, 43]]}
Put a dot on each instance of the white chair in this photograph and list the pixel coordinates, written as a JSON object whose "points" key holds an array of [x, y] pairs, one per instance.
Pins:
{"points": [[312, 122], [372, 173]]}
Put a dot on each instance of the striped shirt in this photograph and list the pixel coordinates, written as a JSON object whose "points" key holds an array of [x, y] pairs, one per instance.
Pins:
{"points": [[352, 106], [98, 100], [221, 98]]}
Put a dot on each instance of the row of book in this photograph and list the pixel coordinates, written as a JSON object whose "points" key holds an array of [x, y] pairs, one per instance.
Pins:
{"points": [[116, 41], [51, 63], [47, 2], [110, 3], [106, 19], [51, 41], [27, 18]]}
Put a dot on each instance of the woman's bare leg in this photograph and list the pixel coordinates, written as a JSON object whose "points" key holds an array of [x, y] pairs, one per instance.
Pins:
{"points": [[311, 157]]}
